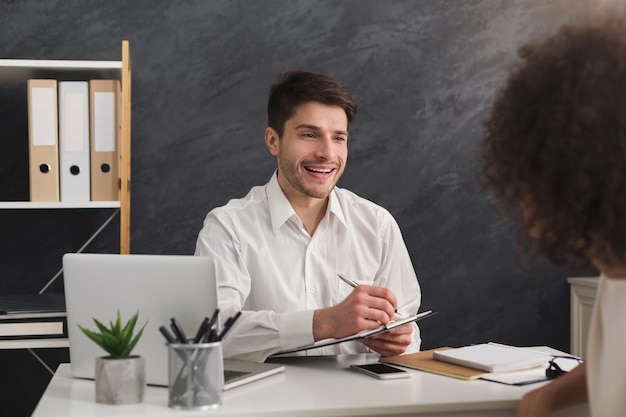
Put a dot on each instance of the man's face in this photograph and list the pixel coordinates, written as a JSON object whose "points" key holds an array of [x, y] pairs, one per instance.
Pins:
{"points": [[312, 152]]}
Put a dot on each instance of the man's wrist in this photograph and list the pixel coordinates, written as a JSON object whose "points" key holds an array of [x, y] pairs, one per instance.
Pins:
{"points": [[321, 329]]}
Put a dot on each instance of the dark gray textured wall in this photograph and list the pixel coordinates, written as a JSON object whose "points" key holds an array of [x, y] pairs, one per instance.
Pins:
{"points": [[423, 73]]}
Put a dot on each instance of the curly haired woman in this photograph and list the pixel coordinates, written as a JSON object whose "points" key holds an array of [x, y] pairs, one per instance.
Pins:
{"points": [[555, 159]]}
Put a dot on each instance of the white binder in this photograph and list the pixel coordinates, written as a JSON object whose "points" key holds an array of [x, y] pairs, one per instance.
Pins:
{"points": [[74, 140]]}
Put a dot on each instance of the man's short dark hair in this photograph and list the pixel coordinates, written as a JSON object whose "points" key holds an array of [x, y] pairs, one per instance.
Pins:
{"points": [[556, 143], [294, 88]]}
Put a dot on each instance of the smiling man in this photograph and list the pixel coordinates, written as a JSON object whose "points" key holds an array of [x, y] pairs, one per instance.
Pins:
{"points": [[278, 251]]}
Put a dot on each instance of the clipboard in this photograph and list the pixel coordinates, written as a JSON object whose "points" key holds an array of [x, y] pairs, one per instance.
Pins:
{"points": [[364, 334]]}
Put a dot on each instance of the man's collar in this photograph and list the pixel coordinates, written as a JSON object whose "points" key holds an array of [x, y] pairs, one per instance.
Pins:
{"points": [[281, 209]]}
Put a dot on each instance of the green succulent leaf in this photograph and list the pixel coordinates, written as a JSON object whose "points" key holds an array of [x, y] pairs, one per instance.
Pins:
{"points": [[96, 337], [118, 324], [117, 339], [127, 332], [133, 342], [100, 326]]}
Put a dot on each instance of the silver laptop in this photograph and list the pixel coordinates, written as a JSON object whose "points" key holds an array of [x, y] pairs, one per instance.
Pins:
{"points": [[159, 287]]}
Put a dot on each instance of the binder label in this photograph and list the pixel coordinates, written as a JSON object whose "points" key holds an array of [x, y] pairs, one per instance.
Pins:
{"points": [[104, 127], [44, 123], [74, 122]]}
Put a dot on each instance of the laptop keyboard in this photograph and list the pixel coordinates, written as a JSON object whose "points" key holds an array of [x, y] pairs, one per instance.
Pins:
{"points": [[230, 375]]}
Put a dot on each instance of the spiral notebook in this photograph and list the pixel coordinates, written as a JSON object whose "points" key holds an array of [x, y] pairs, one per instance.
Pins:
{"points": [[492, 357]]}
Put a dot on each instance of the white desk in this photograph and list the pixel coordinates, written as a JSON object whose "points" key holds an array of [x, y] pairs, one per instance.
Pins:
{"points": [[317, 387]]}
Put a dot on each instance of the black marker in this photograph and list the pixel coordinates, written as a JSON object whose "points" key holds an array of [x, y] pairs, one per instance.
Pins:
{"points": [[204, 326], [229, 323], [166, 333], [212, 337], [178, 331], [214, 318]]}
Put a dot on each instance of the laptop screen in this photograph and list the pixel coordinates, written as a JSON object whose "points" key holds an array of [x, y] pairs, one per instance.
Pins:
{"points": [[159, 287]]}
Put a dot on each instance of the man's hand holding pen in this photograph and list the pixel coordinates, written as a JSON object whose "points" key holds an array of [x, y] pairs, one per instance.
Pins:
{"points": [[365, 308]]}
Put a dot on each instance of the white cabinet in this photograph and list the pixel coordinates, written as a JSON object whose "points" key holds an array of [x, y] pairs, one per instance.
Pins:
{"points": [[583, 296]]}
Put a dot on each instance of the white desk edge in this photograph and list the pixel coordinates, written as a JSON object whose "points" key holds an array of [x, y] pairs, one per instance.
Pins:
{"points": [[311, 388]]}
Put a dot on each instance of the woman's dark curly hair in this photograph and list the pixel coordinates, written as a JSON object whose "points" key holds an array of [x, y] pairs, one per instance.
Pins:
{"points": [[555, 145]]}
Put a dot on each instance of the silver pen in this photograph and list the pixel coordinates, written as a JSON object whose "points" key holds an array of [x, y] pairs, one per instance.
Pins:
{"points": [[348, 281], [355, 284]]}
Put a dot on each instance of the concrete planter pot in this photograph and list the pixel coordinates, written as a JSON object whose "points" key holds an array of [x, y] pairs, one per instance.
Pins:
{"points": [[120, 381]]}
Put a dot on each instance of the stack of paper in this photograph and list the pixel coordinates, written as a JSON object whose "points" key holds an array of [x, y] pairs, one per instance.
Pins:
{"points": [[424, 361]]}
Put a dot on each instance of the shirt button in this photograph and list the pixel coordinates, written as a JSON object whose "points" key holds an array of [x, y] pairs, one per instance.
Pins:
{"points": [[312, 290]]}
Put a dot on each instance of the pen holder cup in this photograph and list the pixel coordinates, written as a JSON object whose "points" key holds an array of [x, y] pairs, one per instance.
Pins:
{"points": [[196, 375]]}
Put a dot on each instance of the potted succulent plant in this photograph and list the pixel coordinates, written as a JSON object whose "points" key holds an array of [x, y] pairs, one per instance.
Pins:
{"points": [[120, 376]]}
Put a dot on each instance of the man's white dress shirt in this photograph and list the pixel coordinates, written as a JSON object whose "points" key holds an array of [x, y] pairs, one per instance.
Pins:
{"points": [[267, 266]]}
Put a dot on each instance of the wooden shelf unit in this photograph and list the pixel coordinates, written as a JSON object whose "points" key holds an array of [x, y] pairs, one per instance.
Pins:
{"points": [[20, 70]]}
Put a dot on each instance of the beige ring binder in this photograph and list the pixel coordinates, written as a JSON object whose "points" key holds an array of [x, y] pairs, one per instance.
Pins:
{"points": [[43, 140]]}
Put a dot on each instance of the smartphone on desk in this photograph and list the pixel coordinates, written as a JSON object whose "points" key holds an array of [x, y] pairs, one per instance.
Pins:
{"points": [[381, 371]]}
